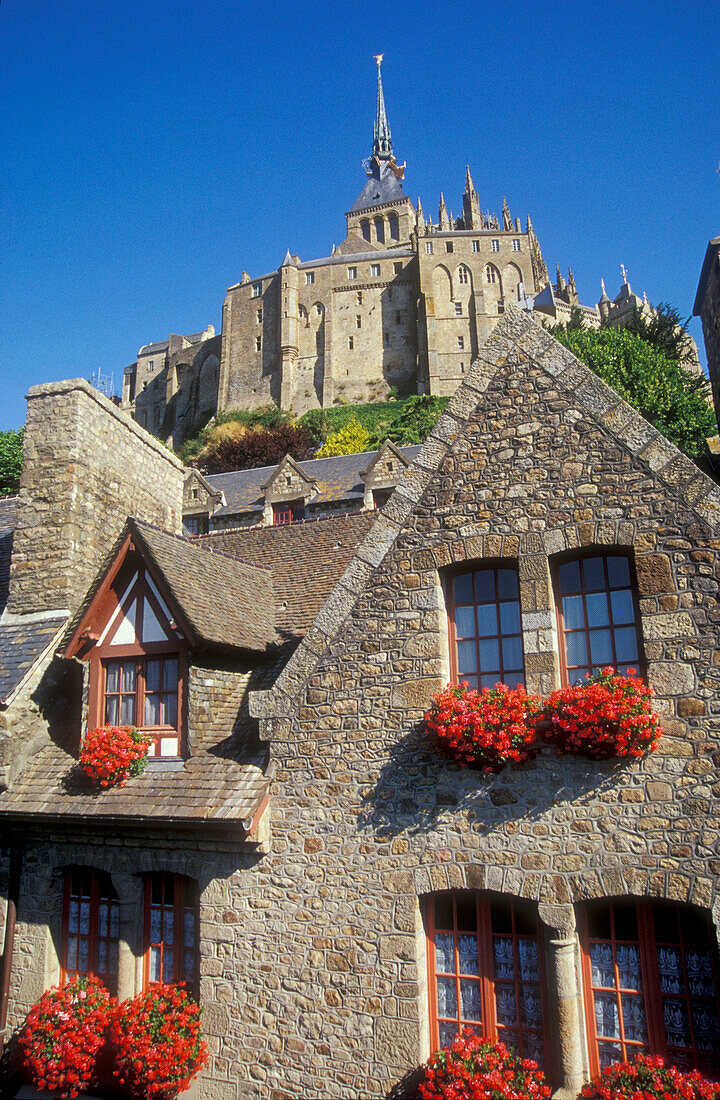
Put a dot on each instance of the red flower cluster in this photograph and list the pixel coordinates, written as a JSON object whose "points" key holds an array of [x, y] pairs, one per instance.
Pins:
{"points": [[156, 1037], [610, 714], [487, 728], [475, 1068], [649, 1079], [63, 1033], [111, 754]]}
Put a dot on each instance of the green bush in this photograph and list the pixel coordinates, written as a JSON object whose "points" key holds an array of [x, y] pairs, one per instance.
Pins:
{"points": [[350, 440], [11, 459]]}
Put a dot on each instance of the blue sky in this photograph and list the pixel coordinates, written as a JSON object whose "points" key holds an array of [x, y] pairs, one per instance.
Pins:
{"points": [[155, 149]]}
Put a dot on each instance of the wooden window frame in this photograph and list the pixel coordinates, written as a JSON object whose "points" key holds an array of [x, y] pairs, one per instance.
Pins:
{"points": [[103, 654], [449, 578], [604, 553], [489, 1024], [293, 509], [181, 887], [94, 880], [651, 992]]}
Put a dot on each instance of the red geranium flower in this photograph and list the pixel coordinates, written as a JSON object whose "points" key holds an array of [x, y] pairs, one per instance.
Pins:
{"points": [[111, 754], [488, 728], [649, 1079], [609, 714], [476, 1068]]}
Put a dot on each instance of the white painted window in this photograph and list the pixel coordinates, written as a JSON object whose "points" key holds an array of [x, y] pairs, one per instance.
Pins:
{"points": [[516, 245], [461, 343], [259, 316], [495, 245], [309, 278], [458, 309], [352, 273], [476, 246], [375, 271], [429, 247], [257, 290]]}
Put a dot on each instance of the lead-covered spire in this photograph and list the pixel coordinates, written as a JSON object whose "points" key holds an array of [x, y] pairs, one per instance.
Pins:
{"points": [[382, 142]]}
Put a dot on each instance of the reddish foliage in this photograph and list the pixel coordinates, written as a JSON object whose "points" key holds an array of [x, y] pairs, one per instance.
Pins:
{"points": [[610, 714], [485, 728], [156, 1037], [258, 447], [475, 1068], [648, 1079], [111, 754], [63, 1033]]}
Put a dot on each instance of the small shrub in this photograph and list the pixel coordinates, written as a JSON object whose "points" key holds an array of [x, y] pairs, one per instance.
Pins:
{"points": [[350, 440], [111, 754], [475, 1068], [11, 461], [63, 1033], [485, 729], [156, 1037], [648, 1079], [609, 714]]}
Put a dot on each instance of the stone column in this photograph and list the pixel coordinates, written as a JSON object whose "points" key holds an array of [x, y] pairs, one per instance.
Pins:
{"points": [[130, 893], [567, 1021]]}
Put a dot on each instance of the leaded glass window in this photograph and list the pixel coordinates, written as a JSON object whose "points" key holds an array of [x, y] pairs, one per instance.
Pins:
{"points": [[171, 930], [484, 608], [90, 928]]}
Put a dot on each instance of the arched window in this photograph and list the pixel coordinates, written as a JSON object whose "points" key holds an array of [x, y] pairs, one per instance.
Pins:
{"points": [[90, 927], [380, 230], [365, 228], [170, 947], [490, 273], [394, 226], [650, 973], [484, 971], [463, 275], [485, 631], [598, 615]]}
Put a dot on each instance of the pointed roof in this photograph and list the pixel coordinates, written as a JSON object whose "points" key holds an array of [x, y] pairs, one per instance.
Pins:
{"points": [[516, 336], [469, 186], [382, 142]]}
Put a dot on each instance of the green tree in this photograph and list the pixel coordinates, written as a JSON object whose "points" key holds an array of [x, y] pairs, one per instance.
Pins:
{"points": [[671, 398], [11, 459], [351, 439]]}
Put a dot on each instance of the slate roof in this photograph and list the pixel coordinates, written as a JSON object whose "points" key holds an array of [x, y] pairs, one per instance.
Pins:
{"points": [[21, 643], [337, 479], [224, 782], [378, 191], [149, 349], [306, 560], [226, 602]]}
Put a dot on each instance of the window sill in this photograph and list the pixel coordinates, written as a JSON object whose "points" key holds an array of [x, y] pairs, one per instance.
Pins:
{"points": [[165, 764]]}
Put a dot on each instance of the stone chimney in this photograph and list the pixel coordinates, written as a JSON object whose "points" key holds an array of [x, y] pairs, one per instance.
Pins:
{"points": [[87, 466]]}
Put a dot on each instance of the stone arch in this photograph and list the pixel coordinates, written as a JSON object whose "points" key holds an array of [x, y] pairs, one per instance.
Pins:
{"points": [[365, 228], [442, 289], [463, 279], [394, 227], [512, 280]]}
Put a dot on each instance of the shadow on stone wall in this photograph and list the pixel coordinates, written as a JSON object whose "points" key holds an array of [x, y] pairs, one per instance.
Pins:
{"points": [[417, 788]]}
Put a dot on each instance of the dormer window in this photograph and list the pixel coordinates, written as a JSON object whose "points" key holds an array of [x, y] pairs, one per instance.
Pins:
{"points": [[289, 512]]}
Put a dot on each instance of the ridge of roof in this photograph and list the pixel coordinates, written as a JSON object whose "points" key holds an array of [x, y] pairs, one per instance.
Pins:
{"points": [[517, 333]]}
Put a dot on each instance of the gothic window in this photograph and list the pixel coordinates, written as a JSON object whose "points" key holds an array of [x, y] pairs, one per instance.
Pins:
{"points": [[461, 343], [309, 278], [90, 928], [651, 981], [429, 247], [485, 632], [352, 273], [257, 290], [495, 245], [449, 246], [379, 230], [516, 245], [318, 309], [598, 615], [476, 246], [365, 229], [490, 273], [484, 971], [375, 271], [289, 512], [394, 226], [463, 275], [170, 948]]}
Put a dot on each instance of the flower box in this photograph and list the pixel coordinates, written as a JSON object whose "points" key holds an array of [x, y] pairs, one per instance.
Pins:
{"points": [[607, 715], [485, 729], [111, 754], [476, 1068], [649, 1079]]}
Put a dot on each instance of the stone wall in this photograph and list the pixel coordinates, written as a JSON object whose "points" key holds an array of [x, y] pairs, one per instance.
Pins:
{"points": [[709, 310], [87, 466]]}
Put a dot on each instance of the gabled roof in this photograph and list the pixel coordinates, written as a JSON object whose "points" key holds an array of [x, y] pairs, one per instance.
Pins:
{"points": [[337, 478], [515, 338], [222, 602]]}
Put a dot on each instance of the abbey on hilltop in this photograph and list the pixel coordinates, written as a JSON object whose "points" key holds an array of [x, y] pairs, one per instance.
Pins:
{"points": [[401, 305]]}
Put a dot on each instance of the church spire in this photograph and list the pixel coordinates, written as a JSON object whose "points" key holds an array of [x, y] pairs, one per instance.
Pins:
{"points": [[382, 142]]}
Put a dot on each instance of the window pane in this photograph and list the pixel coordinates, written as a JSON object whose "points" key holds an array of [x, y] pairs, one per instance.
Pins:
{"points": [[152, 675], [189, 967], [112, 710], [601, 647], [626, 644], [597, 609], [506, 1005], [573, 612], [444, 911], [466, 912], [112, 682], [487, 619], [618, 571], [170, 673], [155, 957], [465, 622], [470, 1000], [507, 584], [462, 588], [467, 658], [594, 574], [445, 953], [189, 928], [170, 704], [127, 710], [489, 655], [510, 618], [152, 710], [468, 955], [512, 653], [570, 577], [576, 649], [128, 676], [621, 603], [168, 964], [485, 585], [447, 997]]}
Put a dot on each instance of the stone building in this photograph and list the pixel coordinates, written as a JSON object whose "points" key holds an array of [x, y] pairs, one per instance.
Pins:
{"points": [[707, 308], [349, 897]]}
